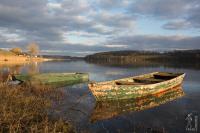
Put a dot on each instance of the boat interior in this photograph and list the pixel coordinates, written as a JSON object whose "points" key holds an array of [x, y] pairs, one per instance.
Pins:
{"points": [[148, 79]]}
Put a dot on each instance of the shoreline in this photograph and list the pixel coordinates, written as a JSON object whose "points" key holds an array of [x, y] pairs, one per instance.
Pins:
{"points": [[22, 60], [12, 60]]}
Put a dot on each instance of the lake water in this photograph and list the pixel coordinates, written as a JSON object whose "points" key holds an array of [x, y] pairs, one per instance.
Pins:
{"points": [[79, 104]]}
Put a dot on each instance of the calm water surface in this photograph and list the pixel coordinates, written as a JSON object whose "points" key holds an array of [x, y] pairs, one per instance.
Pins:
{"points": [[79, 104]]}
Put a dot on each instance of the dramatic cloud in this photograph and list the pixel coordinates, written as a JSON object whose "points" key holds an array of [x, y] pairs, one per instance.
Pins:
{"points": [[169, 10], [86, 26], [165, 9], [177, 25], [116, 20], [112, 4], [194, 15], [147, 42]]}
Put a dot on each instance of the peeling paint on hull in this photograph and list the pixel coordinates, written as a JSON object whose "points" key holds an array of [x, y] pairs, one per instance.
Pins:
{"points": [[54, 79], [110, 91]]}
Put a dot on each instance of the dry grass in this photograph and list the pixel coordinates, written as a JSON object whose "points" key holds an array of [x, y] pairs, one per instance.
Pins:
{"points": [[24, 109]]}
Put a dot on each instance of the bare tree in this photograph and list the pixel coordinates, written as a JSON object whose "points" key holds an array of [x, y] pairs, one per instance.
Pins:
{"points": [[33, 49], [16, 51]]}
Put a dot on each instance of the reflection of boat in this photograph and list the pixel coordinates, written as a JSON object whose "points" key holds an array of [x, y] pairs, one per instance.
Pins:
{"points": [[55, 79], [137, 86], [109, 109]]}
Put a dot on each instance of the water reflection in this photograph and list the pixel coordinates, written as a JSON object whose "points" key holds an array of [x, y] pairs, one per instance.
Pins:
{"points": [[79, 103], [13, 69], [109, 109], [145, 63], [6, 71]]}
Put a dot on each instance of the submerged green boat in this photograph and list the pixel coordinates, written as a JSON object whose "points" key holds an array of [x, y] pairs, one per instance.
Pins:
{"points": [[137, 86], [54, 79]]}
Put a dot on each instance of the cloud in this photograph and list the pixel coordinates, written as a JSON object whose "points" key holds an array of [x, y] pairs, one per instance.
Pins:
{"points": [[34, 21], [116, 20], [166, 9], [112, 4], [74, 7], [97, 25], [156, 42], [169, 10], [177, 25], [194, 17]]}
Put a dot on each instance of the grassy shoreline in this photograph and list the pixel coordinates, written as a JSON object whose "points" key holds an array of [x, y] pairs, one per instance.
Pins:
{"points": [[7, 57], [16, 58], [25, 108]]}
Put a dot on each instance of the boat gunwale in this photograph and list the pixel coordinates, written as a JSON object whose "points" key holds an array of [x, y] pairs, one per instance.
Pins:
{"points": [[146, 85]]}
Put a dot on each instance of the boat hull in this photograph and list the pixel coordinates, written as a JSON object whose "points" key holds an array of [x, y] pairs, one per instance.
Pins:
{"points": [[111, 91], [54, 79]]}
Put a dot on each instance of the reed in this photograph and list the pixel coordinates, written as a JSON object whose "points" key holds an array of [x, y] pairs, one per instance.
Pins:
{"points": [[24, 109]]}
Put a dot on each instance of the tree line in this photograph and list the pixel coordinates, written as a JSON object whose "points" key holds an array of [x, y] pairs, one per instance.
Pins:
{"points": [[147, 56]]}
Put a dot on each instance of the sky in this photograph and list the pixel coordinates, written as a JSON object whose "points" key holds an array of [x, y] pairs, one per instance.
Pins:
{"points": [[82, 27]]}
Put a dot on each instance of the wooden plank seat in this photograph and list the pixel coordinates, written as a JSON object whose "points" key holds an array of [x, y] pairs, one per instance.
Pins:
{"points": [[165, 76], [147, 80], [128, 83]]}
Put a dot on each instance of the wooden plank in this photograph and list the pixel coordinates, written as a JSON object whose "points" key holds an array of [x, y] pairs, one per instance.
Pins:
{"points": [[128, 87]]}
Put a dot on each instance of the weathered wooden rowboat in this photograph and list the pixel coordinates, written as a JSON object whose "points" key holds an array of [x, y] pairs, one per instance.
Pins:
{"points": [[137, 86], [54, 79], [109, 109]]}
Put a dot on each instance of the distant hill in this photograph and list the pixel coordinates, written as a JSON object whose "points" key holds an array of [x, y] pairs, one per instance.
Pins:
{"points": [[145, 55], [131, 52], [176, 58]]}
